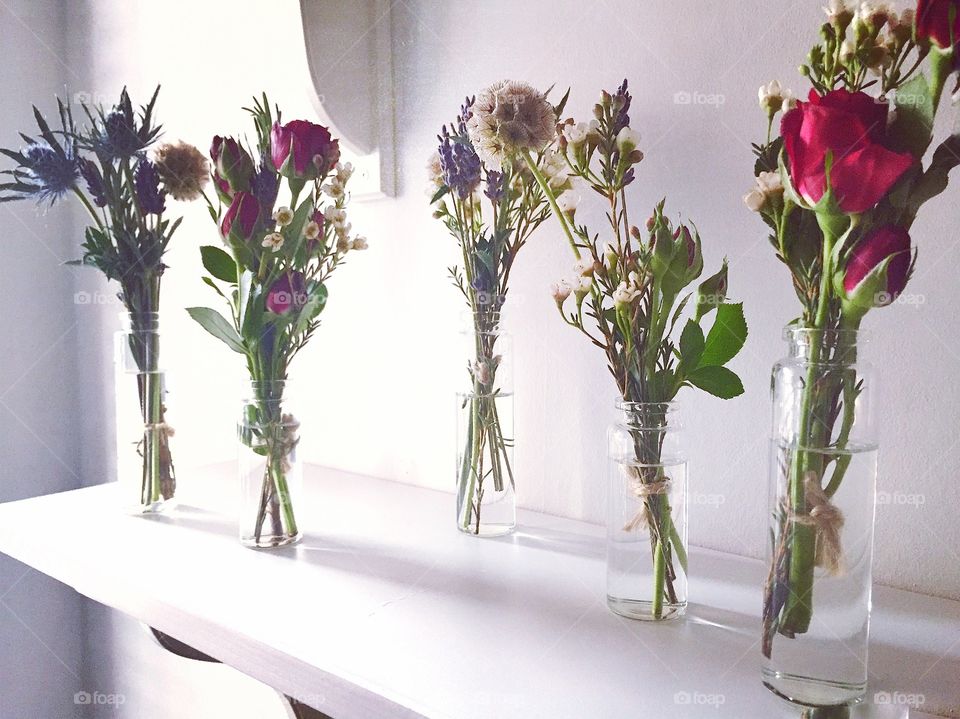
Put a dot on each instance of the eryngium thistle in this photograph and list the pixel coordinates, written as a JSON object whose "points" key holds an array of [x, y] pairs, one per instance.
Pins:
{"points": [[510, 118], [53, 173], [183, 170]]}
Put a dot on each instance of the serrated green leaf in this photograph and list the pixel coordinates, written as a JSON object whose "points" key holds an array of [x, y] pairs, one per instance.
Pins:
{"points": [[726, 337], [219, 263], [718, 381], [214, 323]]}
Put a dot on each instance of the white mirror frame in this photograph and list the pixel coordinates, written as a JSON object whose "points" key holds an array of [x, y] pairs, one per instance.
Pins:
{"points": [[348, 48]]}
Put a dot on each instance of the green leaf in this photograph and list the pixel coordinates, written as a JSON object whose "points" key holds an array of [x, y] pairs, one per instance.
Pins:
{"points": [[718, 381], [691, 344], [438, 194], [219, 263], [214, 323], [913, 127], [211, 283], [726, 337], [935, 179]]}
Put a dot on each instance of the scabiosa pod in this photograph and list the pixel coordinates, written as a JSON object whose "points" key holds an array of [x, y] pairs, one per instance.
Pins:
{"points": [[510, 119], [184, 171]]}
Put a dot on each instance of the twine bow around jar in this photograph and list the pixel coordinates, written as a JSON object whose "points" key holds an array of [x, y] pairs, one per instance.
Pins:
{"points": [[643, 491], [827, 521]]}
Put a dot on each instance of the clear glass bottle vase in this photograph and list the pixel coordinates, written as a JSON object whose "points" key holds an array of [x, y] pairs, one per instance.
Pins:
{"points": [[270, 472], [486, 499], [822, 497], [145, 468], [647, 513]]}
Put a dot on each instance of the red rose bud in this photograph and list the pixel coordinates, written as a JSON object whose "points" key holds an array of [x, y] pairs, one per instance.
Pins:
{"points": [[233, 166], [852, 127], [240, 221], [288, 293], [877, 270], [303, 150], [688, 263], [712, 292], [934, 24]]}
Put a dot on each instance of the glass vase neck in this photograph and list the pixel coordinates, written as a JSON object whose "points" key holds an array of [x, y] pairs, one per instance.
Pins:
{"points": [[838, 346], [140, 321], [650, 415]]}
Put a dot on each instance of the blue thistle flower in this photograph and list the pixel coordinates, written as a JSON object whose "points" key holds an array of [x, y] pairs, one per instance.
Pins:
{"points": [[91, 175], [146, 182], [53, 173]]}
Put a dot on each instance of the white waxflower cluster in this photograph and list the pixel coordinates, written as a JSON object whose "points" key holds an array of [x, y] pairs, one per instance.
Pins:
{"points": [[337, 217], [578, 284], [579, 133], [769, 185], [774, 97], [335, 187], [628, 290]]}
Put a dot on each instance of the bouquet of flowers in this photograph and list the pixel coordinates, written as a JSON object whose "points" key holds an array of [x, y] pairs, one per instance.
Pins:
{"points": [[276, 271], [108, 167], [839, 189], [627, 296], [483, 191]]}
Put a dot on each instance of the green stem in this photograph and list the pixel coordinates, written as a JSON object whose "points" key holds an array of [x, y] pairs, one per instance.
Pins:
{"points": [[659, 576], [545, 186], [799, 604]]}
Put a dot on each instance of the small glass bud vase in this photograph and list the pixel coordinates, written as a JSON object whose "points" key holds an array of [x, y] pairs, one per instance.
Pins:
{"points": [[647, 513], [271, 475], [145, 467], [486, 499], [822, 496]]}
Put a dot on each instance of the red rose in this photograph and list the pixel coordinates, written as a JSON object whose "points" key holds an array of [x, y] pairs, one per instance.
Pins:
{"points": [[287, 293], [887, 242], [240, 221], [233, 166], [853, 127], [933, 21], [303, 150]]}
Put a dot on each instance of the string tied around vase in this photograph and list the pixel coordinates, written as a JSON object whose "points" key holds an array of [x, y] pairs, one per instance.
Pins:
{"points": [[642, 490], [827, 521]]}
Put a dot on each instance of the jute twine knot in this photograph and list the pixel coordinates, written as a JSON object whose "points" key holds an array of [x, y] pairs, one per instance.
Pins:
{"points": [[159, 427], [642, 491], [827, 520]]}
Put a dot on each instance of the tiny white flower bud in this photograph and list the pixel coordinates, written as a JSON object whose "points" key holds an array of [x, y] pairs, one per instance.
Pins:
{"points": [[755, 200], [273, 241]]}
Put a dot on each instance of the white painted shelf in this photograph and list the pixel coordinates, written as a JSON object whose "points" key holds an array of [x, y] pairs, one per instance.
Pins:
{"points": [[385, 610]]}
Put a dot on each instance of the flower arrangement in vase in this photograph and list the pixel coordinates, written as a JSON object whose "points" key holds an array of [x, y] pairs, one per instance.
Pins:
{"points": [[275, 270], [483, 191], [122, 178], [840, 188], [628, 295]]}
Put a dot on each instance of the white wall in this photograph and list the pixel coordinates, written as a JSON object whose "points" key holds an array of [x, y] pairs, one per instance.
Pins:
{"points": [[377, 380], [41, 621]]}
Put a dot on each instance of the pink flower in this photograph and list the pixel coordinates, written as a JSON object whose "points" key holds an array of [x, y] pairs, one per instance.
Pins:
{"points": [[303, 150], [288, 293], [240, 221], [878, 270]]}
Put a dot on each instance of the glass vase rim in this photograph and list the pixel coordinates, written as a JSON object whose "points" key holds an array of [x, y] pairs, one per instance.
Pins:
{"points": [[127, 318], [660, 416], [805, 335]]}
